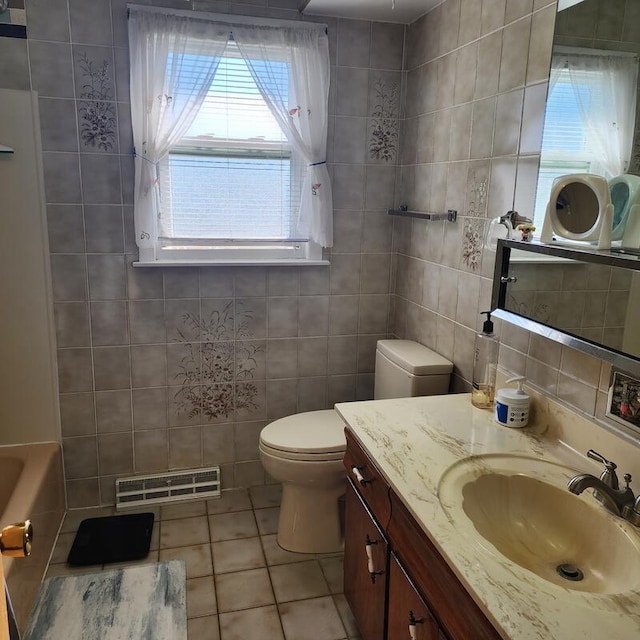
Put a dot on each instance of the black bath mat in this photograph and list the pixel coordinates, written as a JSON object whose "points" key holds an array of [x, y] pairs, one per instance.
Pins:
{"points": [[112, 539]]}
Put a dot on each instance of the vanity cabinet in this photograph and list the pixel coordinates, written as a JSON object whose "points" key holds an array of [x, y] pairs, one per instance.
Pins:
{"points": [[416, 578]]}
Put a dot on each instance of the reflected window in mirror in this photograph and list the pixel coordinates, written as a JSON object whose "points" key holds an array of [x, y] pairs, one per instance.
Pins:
{"points": [[590, 117]]}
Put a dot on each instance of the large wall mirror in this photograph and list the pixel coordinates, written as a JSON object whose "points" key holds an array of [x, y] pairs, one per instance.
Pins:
{"points": [[581, 297], [577, 295], [592, 119]]}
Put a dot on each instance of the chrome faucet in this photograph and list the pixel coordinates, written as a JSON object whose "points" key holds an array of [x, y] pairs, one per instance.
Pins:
{"points": [[620, 502]]}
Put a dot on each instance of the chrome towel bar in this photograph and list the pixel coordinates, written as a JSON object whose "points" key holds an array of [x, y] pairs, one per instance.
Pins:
{"points": [[403, 210]]}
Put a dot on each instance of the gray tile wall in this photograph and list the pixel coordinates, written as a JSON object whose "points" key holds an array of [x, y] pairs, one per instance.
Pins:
{"points": [[476, 76], [163, 369], [472, 69], [171, 368]]}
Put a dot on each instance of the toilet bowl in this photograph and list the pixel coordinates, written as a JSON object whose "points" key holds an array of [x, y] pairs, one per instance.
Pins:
{"points": [[304, 451]]}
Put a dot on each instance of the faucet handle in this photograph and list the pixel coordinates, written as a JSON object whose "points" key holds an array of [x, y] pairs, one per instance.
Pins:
{"points": [[594, 455], [608, 476], [631, 511]]}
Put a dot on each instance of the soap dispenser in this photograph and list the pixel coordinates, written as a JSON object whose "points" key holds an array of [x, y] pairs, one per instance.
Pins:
{"points": [[485, 363], [512, 405]]}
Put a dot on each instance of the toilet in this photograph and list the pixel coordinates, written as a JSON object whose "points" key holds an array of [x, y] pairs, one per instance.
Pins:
{"points": [[304, 451]]}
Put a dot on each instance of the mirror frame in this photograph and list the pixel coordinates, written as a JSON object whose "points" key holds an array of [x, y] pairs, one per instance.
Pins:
{"points": [[622, 361]]}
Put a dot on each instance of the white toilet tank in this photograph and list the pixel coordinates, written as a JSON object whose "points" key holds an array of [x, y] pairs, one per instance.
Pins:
{"points": [[405, 369]]}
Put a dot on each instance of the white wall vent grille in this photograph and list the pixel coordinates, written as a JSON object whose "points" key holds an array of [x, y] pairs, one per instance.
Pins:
{"points": [[167, 487]]}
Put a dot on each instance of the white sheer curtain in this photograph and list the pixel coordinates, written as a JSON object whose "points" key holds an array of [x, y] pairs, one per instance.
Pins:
{"points": [[164, 100], [302, 113], [605, 87], [557, 65]]}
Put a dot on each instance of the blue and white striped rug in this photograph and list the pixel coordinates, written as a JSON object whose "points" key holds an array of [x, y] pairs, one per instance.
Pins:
{"points": [[145, 602]]}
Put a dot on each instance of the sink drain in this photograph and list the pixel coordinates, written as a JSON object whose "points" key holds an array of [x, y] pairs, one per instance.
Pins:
{"points": [[570, 572]]}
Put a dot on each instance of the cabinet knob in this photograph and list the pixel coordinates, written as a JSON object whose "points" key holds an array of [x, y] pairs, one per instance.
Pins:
{"points": [[359, 477], [413, 621], [370, 566]]}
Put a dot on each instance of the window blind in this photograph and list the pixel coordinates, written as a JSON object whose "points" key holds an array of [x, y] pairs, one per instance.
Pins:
{"points": [[233, 177], [564, 131]]}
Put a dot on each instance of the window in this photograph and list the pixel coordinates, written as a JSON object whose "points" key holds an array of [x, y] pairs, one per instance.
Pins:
{"points": [[589, 118], [566, 145], [229, 176], [233, 179]]}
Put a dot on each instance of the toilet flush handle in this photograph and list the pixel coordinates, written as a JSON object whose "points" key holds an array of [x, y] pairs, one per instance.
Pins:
{"points": [[359, 477]]}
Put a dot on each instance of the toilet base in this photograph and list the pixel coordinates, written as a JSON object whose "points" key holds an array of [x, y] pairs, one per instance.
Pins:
{"points": [[310, 519]]}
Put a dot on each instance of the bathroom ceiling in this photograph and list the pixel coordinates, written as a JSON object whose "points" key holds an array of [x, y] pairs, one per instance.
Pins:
{"points": [[405, 11]]}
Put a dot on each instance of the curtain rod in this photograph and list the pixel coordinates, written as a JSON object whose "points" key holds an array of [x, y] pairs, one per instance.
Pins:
{"points": [[227, 18]]}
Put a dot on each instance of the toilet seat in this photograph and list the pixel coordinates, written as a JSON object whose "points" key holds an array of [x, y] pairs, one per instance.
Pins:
{"points": [[312, 436], [300, 456]]}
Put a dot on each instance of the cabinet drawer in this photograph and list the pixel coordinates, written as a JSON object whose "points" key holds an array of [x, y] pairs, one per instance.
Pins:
{"points": [[370, 484]]}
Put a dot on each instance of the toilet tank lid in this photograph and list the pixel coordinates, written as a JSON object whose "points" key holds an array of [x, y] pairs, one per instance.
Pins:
{"points": [[414, 357], [310, 432]]}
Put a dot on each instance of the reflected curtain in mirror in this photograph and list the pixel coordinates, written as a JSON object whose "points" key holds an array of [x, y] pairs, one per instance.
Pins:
{"points": [[590, 117]]}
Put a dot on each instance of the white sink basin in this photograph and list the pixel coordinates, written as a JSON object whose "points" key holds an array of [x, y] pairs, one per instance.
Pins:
{"points": [[520, 508]]}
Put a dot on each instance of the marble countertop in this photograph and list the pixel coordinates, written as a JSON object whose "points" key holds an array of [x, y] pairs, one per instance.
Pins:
{"points": [[414, 441]]}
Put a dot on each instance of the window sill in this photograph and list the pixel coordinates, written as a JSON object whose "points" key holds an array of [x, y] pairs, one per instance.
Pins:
{"points": [[234, 263]]}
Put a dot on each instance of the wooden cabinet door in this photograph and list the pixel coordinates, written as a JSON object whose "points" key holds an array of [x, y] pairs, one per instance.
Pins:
{"points": [[365, 567], [409, 617], [458, 615]]}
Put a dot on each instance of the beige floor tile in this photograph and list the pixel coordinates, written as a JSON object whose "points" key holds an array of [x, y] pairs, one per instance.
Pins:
{"points": [[155, 536], [231, 526], [74, 517], [298, 581], [242, 587], [333, 570], [230, 500], [263, 497], [267, 520], [183, 510], [205, 628], [201, 597], [346, 615], [152, 508], [62, 548], [183, 532], [251, 624], [315, 619], [244, 590], [275, 554], [333, 554], [197, 558], [237, 555], [153, 556]]}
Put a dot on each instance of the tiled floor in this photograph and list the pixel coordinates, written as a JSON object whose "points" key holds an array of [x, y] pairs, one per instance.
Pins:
{"points": [[240, 584]]}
